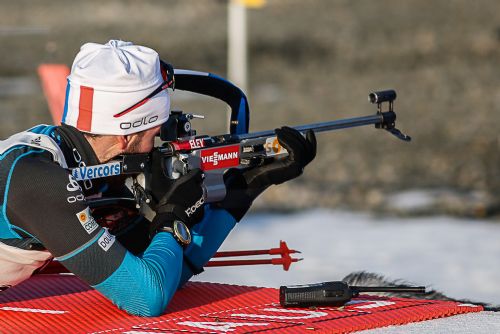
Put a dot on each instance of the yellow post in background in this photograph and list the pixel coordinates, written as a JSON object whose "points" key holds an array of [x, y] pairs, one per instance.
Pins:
{"points": [[237, 44], [237, 40], [237, 63]]}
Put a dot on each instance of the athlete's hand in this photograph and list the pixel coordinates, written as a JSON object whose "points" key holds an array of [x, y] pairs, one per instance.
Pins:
{"points": [[243, 186], [183, 201], [301, 151]]}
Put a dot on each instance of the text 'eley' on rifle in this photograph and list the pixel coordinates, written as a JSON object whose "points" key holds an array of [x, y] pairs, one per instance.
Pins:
{"points": [[183, 150]]}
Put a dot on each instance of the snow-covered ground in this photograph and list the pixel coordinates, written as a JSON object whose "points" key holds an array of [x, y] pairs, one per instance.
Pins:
{"points": [[460, 257]]}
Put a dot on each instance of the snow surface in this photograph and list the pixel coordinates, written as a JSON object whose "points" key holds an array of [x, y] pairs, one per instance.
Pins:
{"points": [[412, 199], [477, 323], [459, 257]]}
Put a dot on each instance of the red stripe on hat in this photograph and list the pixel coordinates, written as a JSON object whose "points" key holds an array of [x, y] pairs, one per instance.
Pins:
{"points": [[84, 122]]}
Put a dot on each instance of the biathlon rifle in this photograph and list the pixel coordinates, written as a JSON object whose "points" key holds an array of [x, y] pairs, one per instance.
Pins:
{"points": [[184, 150]]}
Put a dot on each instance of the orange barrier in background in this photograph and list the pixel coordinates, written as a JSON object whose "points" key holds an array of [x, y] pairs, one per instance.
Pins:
{"points": [[53, 77]]}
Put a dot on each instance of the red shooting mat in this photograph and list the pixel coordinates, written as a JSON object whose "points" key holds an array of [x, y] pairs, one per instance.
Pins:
{"points": [[64, 304]]}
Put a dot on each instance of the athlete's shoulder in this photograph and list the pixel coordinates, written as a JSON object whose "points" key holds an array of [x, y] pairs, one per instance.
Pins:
{"points": [[38, 171], [39, 160], [33, 141]]}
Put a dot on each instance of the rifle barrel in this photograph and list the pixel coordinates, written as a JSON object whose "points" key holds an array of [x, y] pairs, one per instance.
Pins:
{"points": [[327, 126]]}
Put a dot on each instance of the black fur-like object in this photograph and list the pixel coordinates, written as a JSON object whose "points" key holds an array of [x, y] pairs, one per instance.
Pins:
{"points": [[363, 278]]}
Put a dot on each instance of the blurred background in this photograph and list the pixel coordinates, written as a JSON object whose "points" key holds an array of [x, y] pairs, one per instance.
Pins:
{"points": [[311, 61]]}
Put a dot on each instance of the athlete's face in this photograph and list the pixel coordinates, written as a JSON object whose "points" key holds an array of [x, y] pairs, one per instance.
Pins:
{"points": [[143, 142]]}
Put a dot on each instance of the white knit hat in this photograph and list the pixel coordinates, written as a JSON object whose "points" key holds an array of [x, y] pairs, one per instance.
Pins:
{"points": [[107, 79]]}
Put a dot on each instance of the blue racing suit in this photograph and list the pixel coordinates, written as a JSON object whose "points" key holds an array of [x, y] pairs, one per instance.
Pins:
{"points": [[45, 208]]}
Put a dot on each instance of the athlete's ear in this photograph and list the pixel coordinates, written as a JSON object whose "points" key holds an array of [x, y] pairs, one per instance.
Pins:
{"points": [[123, 141]]}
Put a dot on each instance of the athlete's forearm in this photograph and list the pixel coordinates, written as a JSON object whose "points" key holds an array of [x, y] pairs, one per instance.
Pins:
{"points": [[208, 236], [145, 285]]}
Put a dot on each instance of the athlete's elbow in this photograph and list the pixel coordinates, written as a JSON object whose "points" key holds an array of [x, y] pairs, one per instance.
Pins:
{"points": [[146, 300], [151, 303], [151, 310], [148, 305], [155, 312]]}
